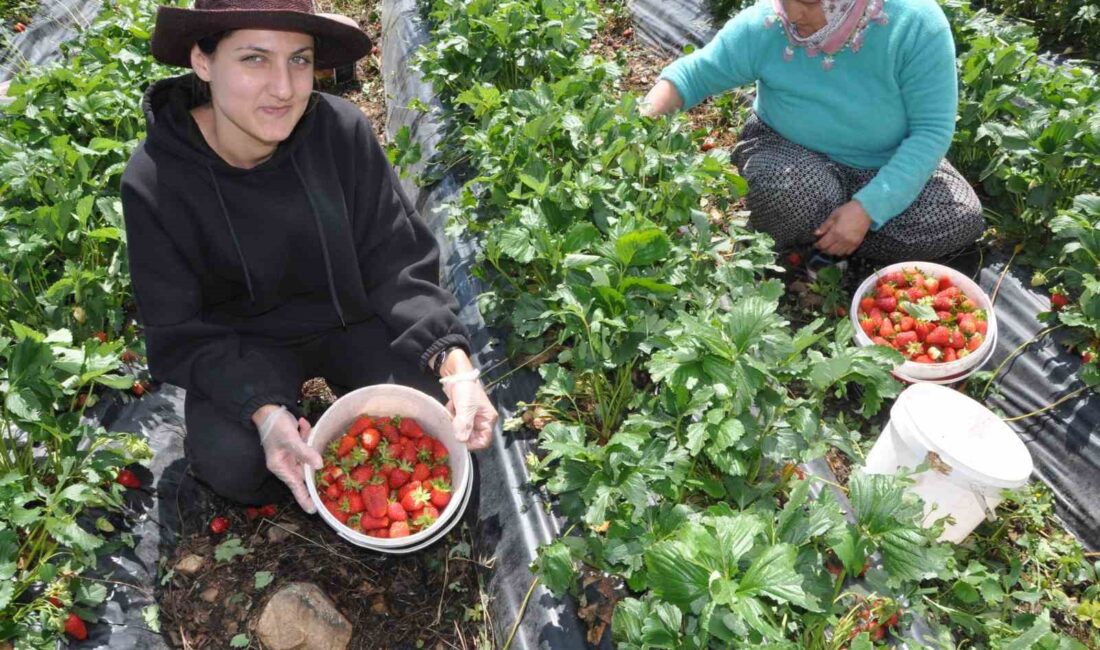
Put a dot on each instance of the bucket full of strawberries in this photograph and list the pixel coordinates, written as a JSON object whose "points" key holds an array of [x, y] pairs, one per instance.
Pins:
{"points": [[395, 479], [939, 319]]}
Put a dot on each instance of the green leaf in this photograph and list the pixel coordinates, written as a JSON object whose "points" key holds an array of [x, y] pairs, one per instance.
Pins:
{"points": [[673, 576], [151, 614], [86, 592], [239, 641], [920, 311], [230, 549], [773, 573], [263, 579], [1031, 637], [643, 246], [554, 567]]}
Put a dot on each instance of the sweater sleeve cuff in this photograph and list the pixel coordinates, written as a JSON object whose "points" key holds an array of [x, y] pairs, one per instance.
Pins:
{"points": [[449, 341], [876, 203], [256, 401]]}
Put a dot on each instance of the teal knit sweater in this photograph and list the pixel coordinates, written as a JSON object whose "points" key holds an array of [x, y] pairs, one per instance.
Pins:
{"points": [[891, 106]]}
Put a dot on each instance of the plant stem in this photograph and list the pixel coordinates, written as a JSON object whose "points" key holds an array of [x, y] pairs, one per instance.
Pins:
{"points": [[1048, 406], [1014, 354]]}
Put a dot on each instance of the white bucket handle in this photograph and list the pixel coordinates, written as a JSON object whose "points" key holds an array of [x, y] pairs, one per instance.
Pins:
{"points": [[990, 513]]}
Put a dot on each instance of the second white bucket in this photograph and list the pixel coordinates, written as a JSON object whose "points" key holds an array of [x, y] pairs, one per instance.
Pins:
{"points": [[973, 455]]}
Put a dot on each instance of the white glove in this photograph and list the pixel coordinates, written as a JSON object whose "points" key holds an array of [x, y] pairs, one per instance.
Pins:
{"points": [[283, 440], [474, 415]]}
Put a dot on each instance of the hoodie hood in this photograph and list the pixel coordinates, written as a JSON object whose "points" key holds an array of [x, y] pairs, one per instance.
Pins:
{"points": [[170, 126]]}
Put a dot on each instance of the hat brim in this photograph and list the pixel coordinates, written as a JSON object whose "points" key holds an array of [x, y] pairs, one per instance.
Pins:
{"points": [[177, 30]]}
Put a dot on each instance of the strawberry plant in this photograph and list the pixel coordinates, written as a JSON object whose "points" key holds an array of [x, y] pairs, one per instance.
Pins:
{"points": [[676, 402]]}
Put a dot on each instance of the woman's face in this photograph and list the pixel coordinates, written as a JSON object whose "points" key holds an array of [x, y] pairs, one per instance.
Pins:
{"points": [[807, 16], [260, 84]]}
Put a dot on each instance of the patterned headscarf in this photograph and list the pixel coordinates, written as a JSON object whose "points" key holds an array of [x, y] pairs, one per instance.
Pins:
{"points": [[845, 21]]}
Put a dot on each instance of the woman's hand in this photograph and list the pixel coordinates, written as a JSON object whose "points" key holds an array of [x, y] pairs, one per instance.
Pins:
{"points": [[286, 451], [843, 231], [662, 98], [474, 415]]}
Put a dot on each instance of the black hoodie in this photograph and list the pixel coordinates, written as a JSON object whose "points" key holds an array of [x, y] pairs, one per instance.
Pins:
{"points": [[317, 237]]}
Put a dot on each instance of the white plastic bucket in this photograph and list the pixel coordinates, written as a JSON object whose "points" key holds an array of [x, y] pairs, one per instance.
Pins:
{"points": [[973, 455], [940, 373], [389, 400]]}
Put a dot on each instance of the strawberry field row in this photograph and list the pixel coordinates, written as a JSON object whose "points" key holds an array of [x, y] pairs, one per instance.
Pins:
{"points": [[676, 401], [64, 338]]}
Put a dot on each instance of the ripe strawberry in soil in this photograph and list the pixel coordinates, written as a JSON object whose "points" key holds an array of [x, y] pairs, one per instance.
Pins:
{"points": [[75, 628], [219, 525], [127, 479]]}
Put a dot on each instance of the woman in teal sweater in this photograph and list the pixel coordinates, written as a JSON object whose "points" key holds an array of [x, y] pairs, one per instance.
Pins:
{"points": [[855, 108]]}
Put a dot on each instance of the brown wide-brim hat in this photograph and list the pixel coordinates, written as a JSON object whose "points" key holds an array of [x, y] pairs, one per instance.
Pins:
{"points": [[177, 29]]}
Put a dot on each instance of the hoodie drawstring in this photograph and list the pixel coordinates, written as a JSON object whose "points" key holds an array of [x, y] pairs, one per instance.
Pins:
{"points": [[232, 233], [324, 241]]}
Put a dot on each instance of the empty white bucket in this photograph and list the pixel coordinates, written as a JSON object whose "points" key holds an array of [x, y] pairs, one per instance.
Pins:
{"points": [[973, 455]]}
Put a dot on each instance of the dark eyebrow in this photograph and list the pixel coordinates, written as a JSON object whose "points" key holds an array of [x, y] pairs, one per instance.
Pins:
{"points": [[257, 48]]}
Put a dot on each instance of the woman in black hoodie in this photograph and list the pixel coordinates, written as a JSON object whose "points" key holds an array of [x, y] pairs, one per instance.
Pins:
{"points": [[269, 242]]}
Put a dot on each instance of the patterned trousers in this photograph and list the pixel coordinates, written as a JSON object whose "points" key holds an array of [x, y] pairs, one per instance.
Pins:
{"points": [[792, 190]]}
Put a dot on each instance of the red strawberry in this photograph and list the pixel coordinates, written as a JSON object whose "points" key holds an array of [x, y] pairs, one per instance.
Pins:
{"points": [[975, 342], [958, 341], [794, 258], [369, 439], [442, 471], [399, 529], [915, 279], [251, 513], [967, 324], [875, 314], [347, 443], [931, 285], [878, 340], [945, 316], [945, 282], [896, 278], [352, 503], [268, 510], [967, 305], [406, 488], [868, 326], [441, 495], [138, 388], [102, 336], [942, 303], [375, 499], [950, 355], [628, 32], [421, 472], [939, 336], [396, 512], [382, 533], [439, 451], [915, 293], [981, 327], [361, 424], [707, 145], [362, 474], [922, 328], [907, 323], [887, 304], [840, 311], [219, 525], [886, 330], [1086, 357], [415, 499], [1058, 301], [866, 305], [128, 356], [374, 523], [410, 428], [400, 475], [903, 339], [127, 479], [885, 291], [74, 627], [924, 358]]}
